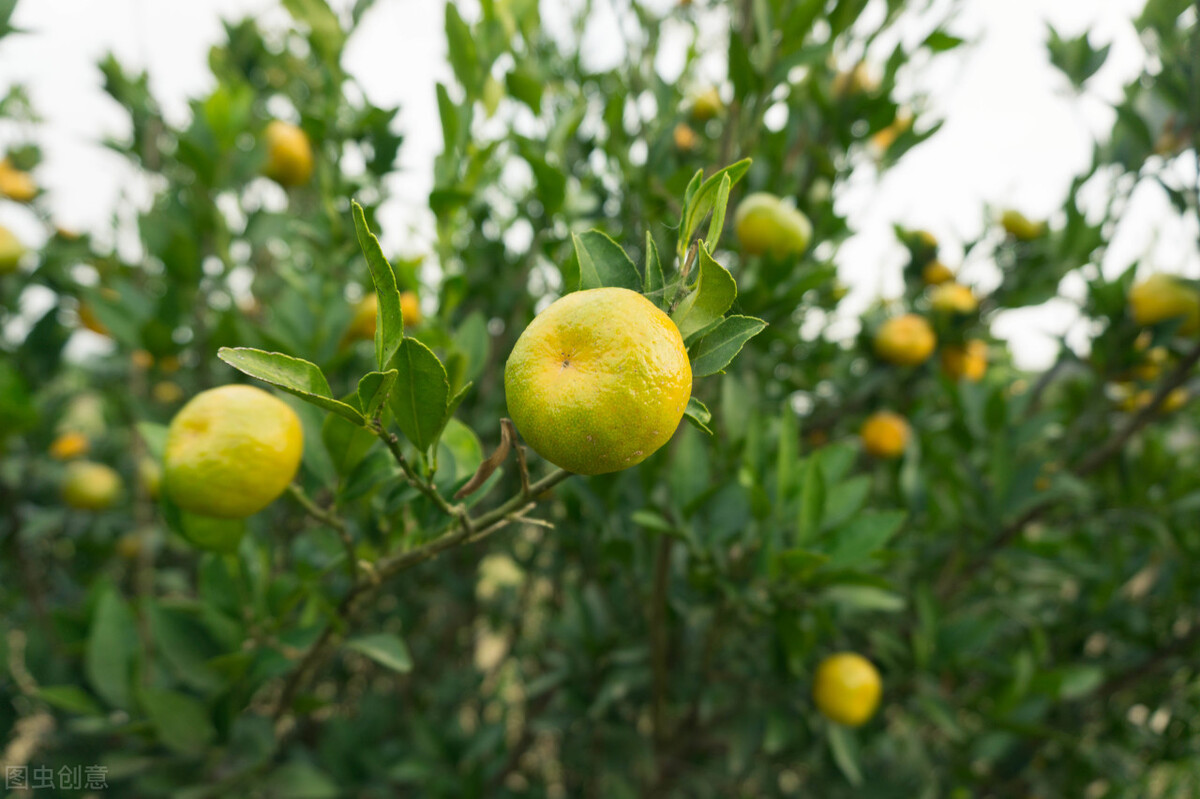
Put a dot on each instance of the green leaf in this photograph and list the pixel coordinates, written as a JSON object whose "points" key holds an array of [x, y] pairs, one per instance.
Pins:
{"points": [[155, 438], [464, 58], [185, 645], [788, 455], [706, 197], [327, 34], [347, 444], [293, 375], [211, 534], [1079, 681], [698, 415], [939, 41], [602, 263], [812, 500], [713, 294], [70, 698], [863, 535], [301, 781], [389, 327], [373, 390], [385, 649], [711, 354], [845, 752], [182, 722], [717, 224], [111, 648], [655, 286], [419, 399]]}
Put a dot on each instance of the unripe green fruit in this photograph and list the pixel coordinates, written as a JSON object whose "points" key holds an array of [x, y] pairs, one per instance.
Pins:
{"points": [[11, 251], [764, 224]]}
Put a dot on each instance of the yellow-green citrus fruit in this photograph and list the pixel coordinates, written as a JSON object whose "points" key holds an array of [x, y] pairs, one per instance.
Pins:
{"points": [[707, 104], [927, 239], [1021, 227], [765, 224], [1161, 297], [1152, 364], [410, 308], [210, 533], [366, 314], [885, 435], [16, 184], [68, 446], [11, 251], [936, 273], [289, 154], [90, 486], [598, 381], [847, 689], [967, 362], [952, 298], [1174, 400], [231, 451], [906, 340], [167, 392]]}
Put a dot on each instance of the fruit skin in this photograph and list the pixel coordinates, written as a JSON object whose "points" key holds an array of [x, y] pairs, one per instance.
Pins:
{"points": [[707, 104], [410, 309], [231, 451], [967, 362], [885, 435], [16, 184], [1021, 227], [11, 251], [685, 138], [1161, 297], [289, 154], [764, 224], [68, 446], [936, 273], [906, 340], [598, 381], [90, 486], [847, 689], [953, 298]]}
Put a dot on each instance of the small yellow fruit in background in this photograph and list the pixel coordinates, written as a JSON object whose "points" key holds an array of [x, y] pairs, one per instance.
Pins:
{"points": [[936, 273], [885, 434], [150, 476], [598, 381], [231, 451], [90, 486], [11, 251], [169, 364], [1152, 364], [847, 689], [952, 298], [69, 445], [928, 239], [685, 138], [1175, 400], [968, 362], [906, 340], [765, 224], [16, 184], [855, 81], [1161, 297], [167, 392], [1021, 227], [141, 360], [707, 104], [366, 314], [289, 154], [410, 309]]}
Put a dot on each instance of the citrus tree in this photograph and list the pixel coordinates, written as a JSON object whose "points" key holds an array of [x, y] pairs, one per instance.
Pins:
{"points": [[592, 498]]}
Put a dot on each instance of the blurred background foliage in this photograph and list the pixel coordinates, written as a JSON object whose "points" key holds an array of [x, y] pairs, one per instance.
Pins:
{"points": [[1021, 576]]}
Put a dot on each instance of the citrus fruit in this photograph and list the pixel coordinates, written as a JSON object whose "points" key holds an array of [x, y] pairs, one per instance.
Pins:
{"points": [[11, 251], [90, 486], [69, 445], [885, 434], [16, 184], [685, 138], [707, 104], [968, 361], [936, 273], [952, 298], [906, 340], [289, 154], [765, 224], [410, 309], [167, 392], [598, 381], [366, 314], [1161, 297], [231, 451], [847, 688], [1021, 227]]}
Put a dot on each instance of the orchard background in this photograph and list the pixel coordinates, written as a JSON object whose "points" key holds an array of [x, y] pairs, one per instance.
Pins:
{"points": [[1019, 574]]}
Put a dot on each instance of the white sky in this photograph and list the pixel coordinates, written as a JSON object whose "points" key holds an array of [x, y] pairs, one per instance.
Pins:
{"points": [[1014, 135]]}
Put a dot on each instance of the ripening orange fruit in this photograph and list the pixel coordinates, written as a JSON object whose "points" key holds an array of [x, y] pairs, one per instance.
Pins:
{"points": [[289, 154], [885, 435], [968, 362], [906, 340], [847, 689]]}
